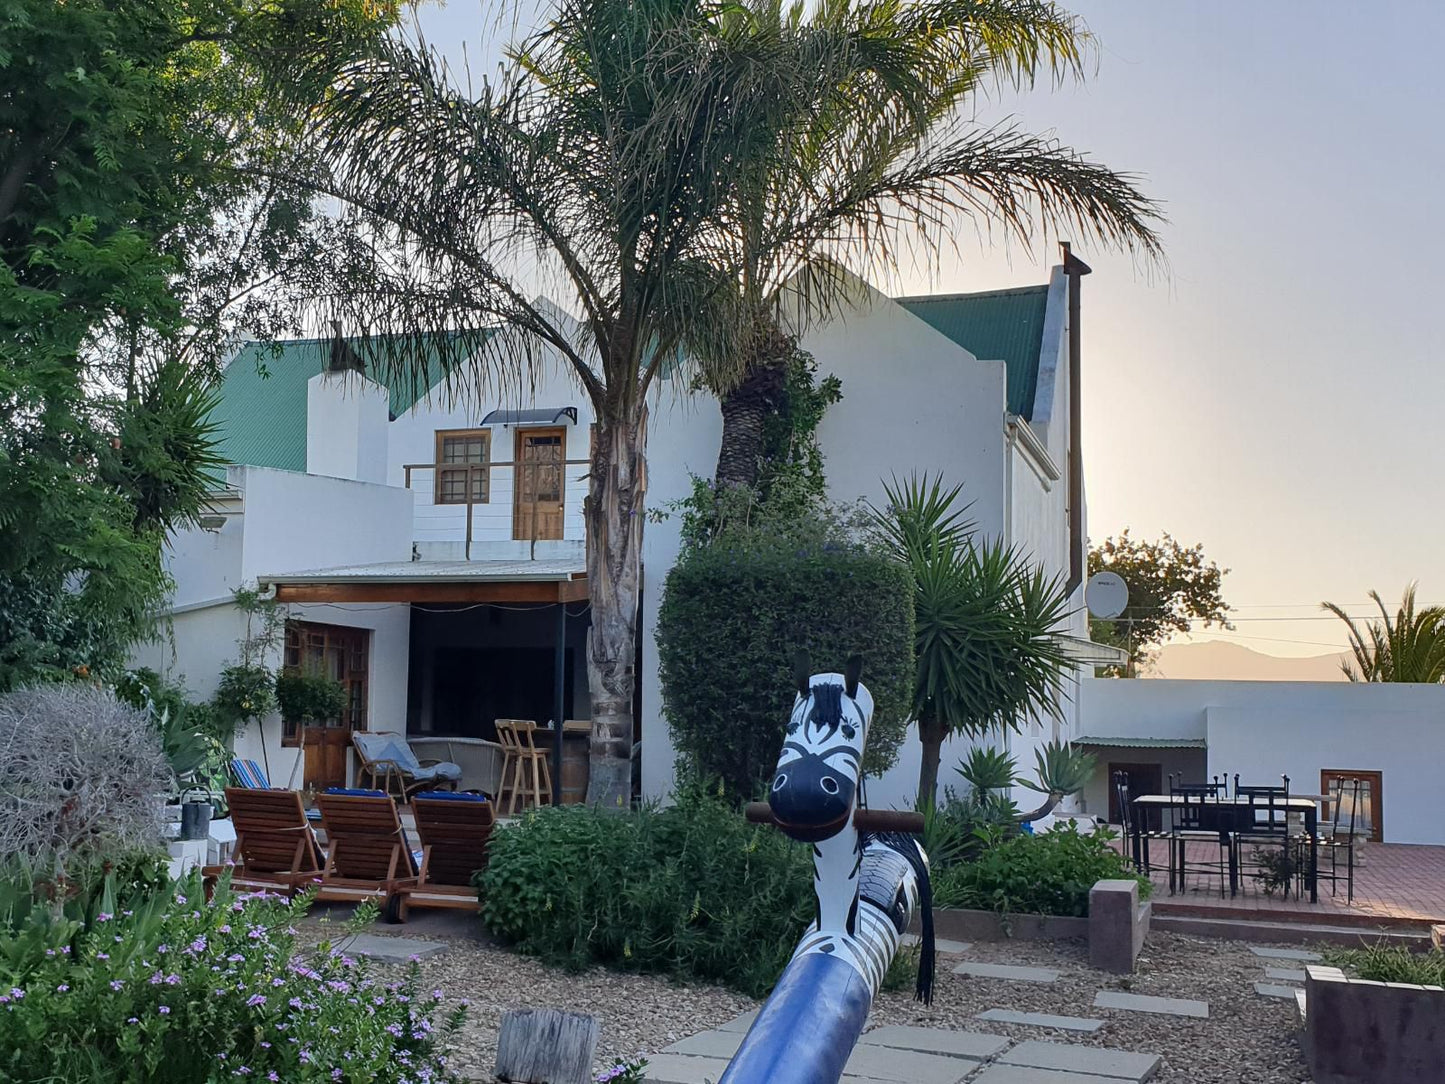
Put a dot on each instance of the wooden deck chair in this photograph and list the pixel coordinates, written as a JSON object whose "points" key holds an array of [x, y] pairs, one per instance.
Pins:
{"points": [[454, 831], [275, 850], [251, 776], [367, 854]]}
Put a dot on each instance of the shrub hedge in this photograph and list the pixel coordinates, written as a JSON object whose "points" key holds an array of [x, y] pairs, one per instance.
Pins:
{"points": [[734, 613], [691, 891]]}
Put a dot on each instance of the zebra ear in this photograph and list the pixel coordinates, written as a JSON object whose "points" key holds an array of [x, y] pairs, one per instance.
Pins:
{"points": [[852, 671], [803, 673]]}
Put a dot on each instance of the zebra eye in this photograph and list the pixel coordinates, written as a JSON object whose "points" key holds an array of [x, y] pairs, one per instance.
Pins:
{"points": [[781, 781], [829, 784]]}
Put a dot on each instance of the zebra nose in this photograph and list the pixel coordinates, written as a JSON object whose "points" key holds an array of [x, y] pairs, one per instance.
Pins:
{"points": [[829, 784]]}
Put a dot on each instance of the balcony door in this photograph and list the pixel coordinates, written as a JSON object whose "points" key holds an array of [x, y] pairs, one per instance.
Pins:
{"points": [[540, 484]]}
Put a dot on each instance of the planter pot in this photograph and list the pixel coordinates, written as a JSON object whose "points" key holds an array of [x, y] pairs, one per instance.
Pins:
{"points": [[1361, 1032]]}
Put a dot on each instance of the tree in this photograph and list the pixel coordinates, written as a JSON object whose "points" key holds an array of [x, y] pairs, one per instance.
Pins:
{"points": [[989, 652], [132, 246], [1170, 587], [893, 157], [1411, 647]]}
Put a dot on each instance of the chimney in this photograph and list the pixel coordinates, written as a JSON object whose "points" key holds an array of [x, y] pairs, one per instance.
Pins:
{"points": [[346, 418], [1075, 269]]}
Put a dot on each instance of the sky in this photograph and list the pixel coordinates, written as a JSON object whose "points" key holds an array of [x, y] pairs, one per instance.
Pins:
{"points": [[1274, 392]]}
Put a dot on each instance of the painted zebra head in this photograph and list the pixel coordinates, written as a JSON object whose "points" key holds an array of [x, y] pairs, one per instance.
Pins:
{"points": [[816, 781]]}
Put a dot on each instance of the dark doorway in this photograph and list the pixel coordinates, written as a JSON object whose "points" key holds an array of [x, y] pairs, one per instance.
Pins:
{"points": [[1143, 779], [476, 686]]}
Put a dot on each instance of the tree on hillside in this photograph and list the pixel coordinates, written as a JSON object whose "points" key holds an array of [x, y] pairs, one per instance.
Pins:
{"points": [[1409, 647], [131, 248], [1171, 586], [886, 169]]}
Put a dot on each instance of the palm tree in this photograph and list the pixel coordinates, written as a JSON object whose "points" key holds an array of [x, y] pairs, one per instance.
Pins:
{"points": [[889, 157], [989, 653], [1411, 647]]}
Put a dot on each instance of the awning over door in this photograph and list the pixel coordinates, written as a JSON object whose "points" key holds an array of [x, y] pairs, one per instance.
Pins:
{"points": [[532, 416], [1143, 743], [549, 581]]}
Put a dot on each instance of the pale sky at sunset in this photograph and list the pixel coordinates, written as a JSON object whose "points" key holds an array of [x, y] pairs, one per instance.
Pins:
{"points": [[1278, 393]]}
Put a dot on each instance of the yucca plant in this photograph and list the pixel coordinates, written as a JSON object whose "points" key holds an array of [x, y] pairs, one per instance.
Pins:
{"points": [[1411, 647], [1062, 769]]}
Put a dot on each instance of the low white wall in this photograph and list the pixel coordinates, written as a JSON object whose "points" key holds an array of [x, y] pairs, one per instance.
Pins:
{"points": [[1131, 708]]}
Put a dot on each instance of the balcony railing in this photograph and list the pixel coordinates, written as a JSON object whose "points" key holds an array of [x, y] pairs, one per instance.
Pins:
{"points": [[529, 465]]}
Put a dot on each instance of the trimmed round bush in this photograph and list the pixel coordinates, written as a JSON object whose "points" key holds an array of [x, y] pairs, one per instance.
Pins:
{"points": [[732, 617]]}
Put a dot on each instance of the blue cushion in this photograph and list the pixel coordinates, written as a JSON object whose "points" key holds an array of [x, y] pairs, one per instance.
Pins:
{"points": [[249, 775], [451, 796], [355, 792]]}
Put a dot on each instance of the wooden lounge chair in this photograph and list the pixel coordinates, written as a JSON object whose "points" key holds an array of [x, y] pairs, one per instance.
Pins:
{"points": [[251, 776], [367, 854], [454, 831], [387, 763], [275, 847]]}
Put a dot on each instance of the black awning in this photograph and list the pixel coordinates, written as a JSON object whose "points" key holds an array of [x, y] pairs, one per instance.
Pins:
{"points": [[535, 416]]}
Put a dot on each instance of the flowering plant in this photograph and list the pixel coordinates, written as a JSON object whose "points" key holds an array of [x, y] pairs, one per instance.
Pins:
{"points": [[180, 990], [624, 1072]]}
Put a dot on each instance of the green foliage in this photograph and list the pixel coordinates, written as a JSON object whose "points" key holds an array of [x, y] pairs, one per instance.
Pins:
{"points": [[173, 990], [247, 688], [1384, 962], [957, 830], [733, 615], [245, 692], [1170, 587], [1277, 868], [305, 698], [188, 731], [988, 768], [1061, 769], [1050, 873], [677, 891], [1409, 647]]}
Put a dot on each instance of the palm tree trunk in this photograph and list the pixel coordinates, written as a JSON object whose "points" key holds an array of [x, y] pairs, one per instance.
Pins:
{"points": [[931, 733], [614, 515], [746, 407]]}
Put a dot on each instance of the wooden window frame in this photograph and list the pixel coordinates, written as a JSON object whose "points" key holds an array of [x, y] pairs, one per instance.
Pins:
{"points": [[350, 638], [441, 470], [1377, 796]]}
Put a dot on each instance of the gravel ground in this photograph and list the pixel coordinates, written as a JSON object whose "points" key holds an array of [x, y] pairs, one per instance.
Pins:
{"points": [[1247, 1038]]}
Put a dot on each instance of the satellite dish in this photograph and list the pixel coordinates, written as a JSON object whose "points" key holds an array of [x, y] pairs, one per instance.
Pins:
{"points": [[1106, 595]]}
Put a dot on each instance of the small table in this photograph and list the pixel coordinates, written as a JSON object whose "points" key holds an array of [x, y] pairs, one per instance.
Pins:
{"points": [[1307, 806]]}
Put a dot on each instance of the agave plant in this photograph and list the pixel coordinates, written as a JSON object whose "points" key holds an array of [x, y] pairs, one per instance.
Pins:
{"points": [[1062, 769]]}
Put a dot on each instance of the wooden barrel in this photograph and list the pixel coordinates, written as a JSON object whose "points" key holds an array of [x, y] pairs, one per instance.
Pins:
{"points": [[575, 749]]}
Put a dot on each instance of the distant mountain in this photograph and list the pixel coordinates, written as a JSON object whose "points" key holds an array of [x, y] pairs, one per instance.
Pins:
{"points": [[1221, 661]]}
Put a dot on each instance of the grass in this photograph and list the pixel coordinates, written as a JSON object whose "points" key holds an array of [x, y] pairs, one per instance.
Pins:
{"points": [[1391, 963]]}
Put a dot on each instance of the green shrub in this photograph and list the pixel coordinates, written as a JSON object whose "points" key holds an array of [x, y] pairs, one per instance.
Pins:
{"points": [[177, 991], [1391, 963], [1046, 874], [692, 891], [733, 615], [306, 698]]}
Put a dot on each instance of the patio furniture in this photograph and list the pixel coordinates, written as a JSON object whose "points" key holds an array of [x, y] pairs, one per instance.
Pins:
{"points": [[1134, 825], [1263, 823], [388, 764], [480, 760], [275, 847], [454, 830], [367, 855], [1199, 818], [249, 775], [1337, 837], [525, 772]]}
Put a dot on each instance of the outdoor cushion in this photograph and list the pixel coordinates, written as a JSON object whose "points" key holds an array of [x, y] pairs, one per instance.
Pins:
{"points": [[356, 792], [445, 770], [249, 774], [451, 796]]}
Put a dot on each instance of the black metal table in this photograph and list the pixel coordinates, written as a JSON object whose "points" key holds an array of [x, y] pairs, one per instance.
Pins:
{"points": [[1225, 807]]}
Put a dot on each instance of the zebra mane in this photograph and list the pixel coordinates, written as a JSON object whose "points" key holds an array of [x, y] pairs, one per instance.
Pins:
{"points": [[827, 708]]}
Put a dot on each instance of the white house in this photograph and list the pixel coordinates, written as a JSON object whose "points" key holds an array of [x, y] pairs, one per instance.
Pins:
{"points": [[429, 546]]}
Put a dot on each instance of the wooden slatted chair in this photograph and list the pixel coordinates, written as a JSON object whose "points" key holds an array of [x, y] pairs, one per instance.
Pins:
{"points": [[251, 776], [367, 856], [275, 849], [525, 771], [455, 831]]}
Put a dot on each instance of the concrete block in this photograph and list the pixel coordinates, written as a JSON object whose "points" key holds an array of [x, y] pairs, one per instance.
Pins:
{"points": [[955, 1044], [967, 926], [389, 950], [1117, 926], [1269, 989], [1168, 1006], [740, 1024], [907, 1066], [1004, 971], [1284, 974], [1285, 954], [684, 1069], [1360, 1032], [1041, 1020], [710, 1044], [942, 945], [1023, 1074], [1075, 1058]]}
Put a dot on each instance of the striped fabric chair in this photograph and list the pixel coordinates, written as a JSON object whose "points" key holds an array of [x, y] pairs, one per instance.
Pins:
{"points": [[249, 776]]}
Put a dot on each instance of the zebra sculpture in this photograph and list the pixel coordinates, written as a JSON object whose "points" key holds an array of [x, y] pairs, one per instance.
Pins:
{"points": [[868, 876]]}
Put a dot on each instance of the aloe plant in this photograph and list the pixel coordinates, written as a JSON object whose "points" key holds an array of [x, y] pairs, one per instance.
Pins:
{"points": [[1060, 769]]}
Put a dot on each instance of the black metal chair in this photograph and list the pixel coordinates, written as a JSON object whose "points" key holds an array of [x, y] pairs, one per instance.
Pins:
{"points": [[1338, 836], [1199, 817], [1263, 823], [1134, 825]]}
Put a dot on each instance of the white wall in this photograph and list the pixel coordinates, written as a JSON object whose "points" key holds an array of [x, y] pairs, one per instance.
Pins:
{"points": [[1264, 729], [346, 420]]}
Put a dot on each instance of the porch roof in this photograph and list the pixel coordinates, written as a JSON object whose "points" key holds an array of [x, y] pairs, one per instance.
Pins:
{"points": [[1143, 743], [546, 581]]}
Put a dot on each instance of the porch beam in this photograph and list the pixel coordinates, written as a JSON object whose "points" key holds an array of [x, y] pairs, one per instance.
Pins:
{"points": [[540, 591]]}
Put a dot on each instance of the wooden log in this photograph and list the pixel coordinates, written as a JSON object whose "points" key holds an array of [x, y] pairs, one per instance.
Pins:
{"points": [[546, 1046]]}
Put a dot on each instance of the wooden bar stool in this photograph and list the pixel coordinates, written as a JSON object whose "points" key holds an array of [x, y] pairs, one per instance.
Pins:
{"points": [[524, 767]]}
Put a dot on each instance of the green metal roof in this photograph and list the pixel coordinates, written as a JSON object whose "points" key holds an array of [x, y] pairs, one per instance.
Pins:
{"points": [[999, 325], [262, 410], [1145, 743]]}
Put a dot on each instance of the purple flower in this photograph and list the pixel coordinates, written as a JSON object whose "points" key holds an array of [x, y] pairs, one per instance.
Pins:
{"points": [[116, 984], [133, 1020], [181, 900], [61, 988], [104, 917], [272, 1076], [173, 980], [437, 994], [295, 1003], [336, 1074], [16, 993], [254, 1000], [156, 979], [102, 956], [235, 958], [163, 949], [395, 1029], [225, 929], [164, 1010]]}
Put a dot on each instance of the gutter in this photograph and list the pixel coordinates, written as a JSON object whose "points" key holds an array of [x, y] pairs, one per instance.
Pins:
{"points": [[1020, 432]]}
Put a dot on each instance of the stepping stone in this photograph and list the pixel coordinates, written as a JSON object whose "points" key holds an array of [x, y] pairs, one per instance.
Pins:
{"points": [[1168, 1006], [954, 1044], [708, 1044], [740, 1024], [389, 950], [684, 1069], [1023, 1074], [1041, 1019], [907, 1066], [1286, 954], [942, 945], [1004, 971], [1269, 989], [1073, 1058], [1284, 974]]}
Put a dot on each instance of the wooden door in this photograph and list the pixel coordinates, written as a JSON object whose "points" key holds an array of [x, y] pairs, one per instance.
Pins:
{"points": [[1143, 779], [340, 653], [540, 484]]}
